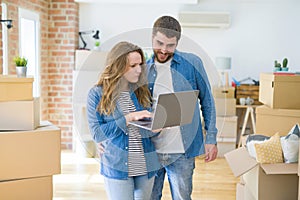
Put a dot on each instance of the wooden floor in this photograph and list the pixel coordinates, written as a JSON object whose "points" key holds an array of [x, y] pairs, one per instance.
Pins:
{"points": [[80, 180]]}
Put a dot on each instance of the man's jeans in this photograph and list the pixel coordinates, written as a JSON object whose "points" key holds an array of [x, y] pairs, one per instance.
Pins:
{"points": [[180, 175], [137, 188]]}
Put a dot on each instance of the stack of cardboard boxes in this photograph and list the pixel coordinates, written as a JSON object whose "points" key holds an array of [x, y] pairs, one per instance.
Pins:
{"points": [[29, 150], [226, 121], [280, 112], [281, 109]]}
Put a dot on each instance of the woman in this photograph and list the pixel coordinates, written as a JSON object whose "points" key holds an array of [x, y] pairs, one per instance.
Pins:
{"points": [[129, 161]]}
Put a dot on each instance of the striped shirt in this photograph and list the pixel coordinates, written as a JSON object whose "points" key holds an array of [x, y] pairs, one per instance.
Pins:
{"points": [[136, 158]]}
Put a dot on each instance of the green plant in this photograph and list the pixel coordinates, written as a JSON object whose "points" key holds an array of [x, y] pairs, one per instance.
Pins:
{"points": [[284, 62], [277, 64], [97, 43], [20, 61]]}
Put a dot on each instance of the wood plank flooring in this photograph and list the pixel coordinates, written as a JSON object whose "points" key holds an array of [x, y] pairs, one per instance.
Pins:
{"points": [[80, 180]]}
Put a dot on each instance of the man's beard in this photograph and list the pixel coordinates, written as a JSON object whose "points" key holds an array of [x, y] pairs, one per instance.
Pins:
{"points": [[169, 56]]}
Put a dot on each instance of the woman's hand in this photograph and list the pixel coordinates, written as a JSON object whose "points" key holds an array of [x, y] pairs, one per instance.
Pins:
{"points": [[134, 116]]}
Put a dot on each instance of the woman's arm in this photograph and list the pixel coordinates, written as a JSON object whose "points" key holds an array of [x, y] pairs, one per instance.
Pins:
{"points": [[100, 128]]}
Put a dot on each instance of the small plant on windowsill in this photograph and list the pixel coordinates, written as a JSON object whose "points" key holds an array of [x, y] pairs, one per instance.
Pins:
{"points": [[21, 66]]}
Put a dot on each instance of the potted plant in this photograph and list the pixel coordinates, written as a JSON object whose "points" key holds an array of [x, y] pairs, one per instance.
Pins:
{"points": [[21, 66], [284, 65], [277, 66], [97, 45]]}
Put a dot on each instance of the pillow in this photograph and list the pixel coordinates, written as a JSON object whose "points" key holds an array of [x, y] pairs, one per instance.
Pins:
{"points": [[290, 148], [294, 131], [257, 137], [254, 139], [269, 151], [290, 145], [251, 149]]}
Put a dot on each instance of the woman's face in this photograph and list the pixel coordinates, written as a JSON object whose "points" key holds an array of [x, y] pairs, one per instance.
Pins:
{"points": [[133, 68]]}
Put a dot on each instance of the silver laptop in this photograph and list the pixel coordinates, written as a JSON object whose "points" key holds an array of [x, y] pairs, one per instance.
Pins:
{"points": [[171, 109]]}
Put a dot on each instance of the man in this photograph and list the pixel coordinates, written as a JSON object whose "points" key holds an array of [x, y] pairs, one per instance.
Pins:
{"points": [[170, 70]]}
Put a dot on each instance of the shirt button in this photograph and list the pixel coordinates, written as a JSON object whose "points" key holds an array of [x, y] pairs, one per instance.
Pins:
{"points": [[126, 147], [126, 163], [151, 88]]}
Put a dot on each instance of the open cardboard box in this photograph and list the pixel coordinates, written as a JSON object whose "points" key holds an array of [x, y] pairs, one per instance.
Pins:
{"points": [[264, 181]]}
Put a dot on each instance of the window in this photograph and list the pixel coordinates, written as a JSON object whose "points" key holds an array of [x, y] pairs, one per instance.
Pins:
{"points": [[29, 37], [4, 39]]}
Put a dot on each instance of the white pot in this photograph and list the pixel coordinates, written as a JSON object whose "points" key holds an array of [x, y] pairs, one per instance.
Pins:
{"points": [[21, 71]]}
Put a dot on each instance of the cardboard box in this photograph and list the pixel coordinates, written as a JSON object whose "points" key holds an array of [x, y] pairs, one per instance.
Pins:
{"points": [[280, 91], [264, 181], [224, 92], [227, 126], [299, 175], [20, 115], [26, 154], [39, 188], [240, 191], [13, 88], [299, 190], [225, 145], [225, 106], [270, 121], [299, 165]]}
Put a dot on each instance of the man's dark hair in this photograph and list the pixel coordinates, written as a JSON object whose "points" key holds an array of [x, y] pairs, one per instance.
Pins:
{"points": [[168, 26]]}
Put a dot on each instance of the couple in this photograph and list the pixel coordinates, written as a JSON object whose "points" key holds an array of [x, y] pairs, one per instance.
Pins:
{"points": [[135, 161]]}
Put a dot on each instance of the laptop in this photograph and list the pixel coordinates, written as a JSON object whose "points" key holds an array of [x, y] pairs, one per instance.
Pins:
{"points": [[171, 109]]}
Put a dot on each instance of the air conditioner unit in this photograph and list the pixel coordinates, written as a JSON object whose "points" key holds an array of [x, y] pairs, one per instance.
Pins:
{"points": [[204, 19]]}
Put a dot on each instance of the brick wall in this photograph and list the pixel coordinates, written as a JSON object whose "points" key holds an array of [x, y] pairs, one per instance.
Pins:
{"points": [[59, 39], [62, 42]]}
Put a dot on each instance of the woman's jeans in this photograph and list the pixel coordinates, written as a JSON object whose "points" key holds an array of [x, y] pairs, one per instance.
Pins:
{"points": [[180, 175], [133, 188]]}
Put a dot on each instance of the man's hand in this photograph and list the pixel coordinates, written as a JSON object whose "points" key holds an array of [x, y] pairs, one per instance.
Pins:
{"points": [[211, 152]]}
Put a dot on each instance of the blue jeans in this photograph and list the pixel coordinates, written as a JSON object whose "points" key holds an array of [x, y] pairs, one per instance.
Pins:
{"points": [[133, 188], [180, 171]]}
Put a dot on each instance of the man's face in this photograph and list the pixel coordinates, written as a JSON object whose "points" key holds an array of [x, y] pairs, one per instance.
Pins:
{"points": [[163, 47]]}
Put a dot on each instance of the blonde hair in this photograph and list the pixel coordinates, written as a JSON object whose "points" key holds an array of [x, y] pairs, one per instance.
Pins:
{"points": [[110, 79]]}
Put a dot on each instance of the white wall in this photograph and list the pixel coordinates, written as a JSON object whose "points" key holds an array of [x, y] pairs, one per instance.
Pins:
{"points": [[260, 32]]}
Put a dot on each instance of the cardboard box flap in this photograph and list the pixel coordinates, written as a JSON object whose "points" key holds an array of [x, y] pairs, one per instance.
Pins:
{"points": [[265, 110], [280, 168], [240, 161]]}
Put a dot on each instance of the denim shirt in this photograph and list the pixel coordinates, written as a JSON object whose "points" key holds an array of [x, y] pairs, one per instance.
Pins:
{"points": [[188, 73], [112, 132]]}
